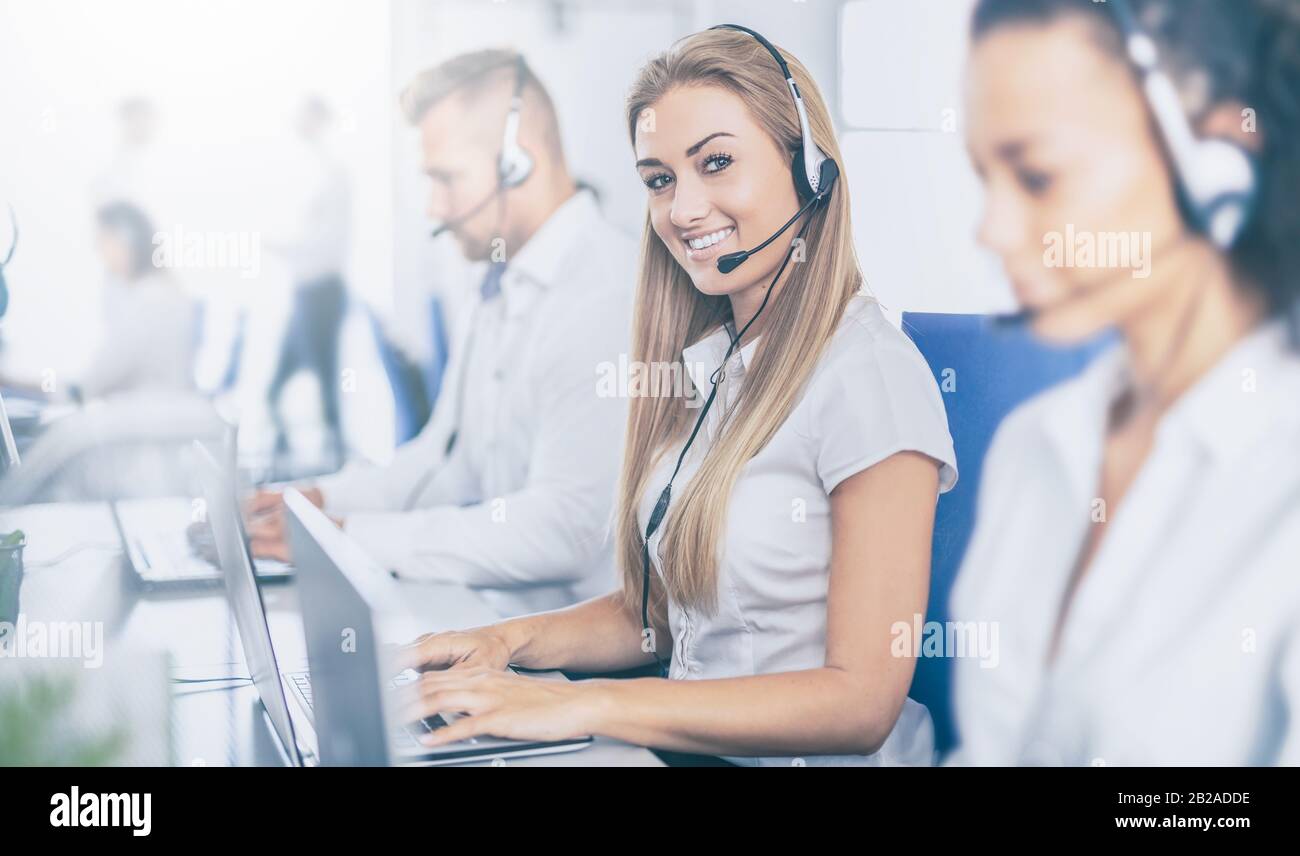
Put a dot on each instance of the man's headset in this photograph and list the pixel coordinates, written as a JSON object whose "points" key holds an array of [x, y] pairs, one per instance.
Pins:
{"points": [[9, 256], [1217, 180], [514, 164], [814, 177]]}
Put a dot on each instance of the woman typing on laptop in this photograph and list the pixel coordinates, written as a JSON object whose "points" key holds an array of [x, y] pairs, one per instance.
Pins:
{"points": [[774, 518]]}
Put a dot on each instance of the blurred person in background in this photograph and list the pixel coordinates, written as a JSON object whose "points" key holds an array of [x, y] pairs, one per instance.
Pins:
{"points": [[133, 173], [150, 331], [508, 487], [1139, 525], [316, 256]]}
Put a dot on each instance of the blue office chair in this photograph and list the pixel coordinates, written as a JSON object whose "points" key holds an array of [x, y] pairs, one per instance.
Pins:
{"points": [[985, 372], [415, 387], [440, 351]]}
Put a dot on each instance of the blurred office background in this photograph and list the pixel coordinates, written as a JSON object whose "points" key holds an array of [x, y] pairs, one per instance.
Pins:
{"points": [[190, 109]]}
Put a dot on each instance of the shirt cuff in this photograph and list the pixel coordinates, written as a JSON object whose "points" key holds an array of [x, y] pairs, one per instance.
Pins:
{"points": [[386, 538], [353, 488]]}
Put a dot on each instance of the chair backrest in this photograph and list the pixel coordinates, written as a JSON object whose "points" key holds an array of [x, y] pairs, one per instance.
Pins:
{"points": [[439, 350], [415, 387], [984, 372]]}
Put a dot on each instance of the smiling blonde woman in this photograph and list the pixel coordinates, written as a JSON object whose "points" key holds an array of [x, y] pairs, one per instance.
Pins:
{"points": [[797, 528]]}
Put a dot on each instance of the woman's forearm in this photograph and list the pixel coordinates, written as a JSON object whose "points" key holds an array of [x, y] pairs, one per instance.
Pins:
{"points": [[811, 712], [598, 635]]}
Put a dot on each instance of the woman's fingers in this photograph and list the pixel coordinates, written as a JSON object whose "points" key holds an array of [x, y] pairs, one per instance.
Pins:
{"points": [[445, 700], [430, 651], [457, 651], [462, 729], [429, 695]]}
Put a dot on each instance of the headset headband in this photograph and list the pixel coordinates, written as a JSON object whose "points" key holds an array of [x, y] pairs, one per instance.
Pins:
{"points": [[810, 158]]}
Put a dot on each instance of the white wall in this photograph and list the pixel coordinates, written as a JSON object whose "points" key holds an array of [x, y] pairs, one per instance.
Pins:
{"points": [[916, 199]]}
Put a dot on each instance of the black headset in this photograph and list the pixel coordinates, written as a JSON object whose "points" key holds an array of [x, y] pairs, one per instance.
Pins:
{"points": [[514, 163], [814, 177], [1217, 180], [814, 172]]}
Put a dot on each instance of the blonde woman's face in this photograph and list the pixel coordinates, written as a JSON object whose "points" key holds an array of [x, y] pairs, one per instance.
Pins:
{"points": [[717, 183]]}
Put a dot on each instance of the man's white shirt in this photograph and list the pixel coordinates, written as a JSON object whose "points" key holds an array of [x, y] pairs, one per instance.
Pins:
{"points": [[520, 508]]}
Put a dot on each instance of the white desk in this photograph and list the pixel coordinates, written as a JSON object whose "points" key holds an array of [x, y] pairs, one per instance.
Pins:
{"points": [[214, 725]]}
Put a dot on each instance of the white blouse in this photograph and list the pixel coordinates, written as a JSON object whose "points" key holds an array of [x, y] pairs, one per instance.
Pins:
{"points": [[1182, 644], [149, 341], [870, 396]]}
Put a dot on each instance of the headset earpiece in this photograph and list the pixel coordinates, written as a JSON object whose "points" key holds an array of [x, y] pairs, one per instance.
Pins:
{"points": [[829, 172], [1217, 179], [815, 183], [1219, 189], [514, 165], [814, 173]]}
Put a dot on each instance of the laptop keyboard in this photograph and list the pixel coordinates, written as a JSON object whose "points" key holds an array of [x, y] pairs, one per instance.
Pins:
{"points": [[302, 683], [405, 736]]}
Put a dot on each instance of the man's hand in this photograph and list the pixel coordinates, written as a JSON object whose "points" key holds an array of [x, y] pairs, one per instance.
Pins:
{"points": [[265, 501], [264, 513]]}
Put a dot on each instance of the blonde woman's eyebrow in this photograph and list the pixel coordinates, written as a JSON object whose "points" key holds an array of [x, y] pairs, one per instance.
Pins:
{"points": [[691, 152], [695, 148]]}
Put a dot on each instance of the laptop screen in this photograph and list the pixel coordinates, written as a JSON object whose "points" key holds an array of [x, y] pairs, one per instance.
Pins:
{"points": [[245, 596], [8, 449]]}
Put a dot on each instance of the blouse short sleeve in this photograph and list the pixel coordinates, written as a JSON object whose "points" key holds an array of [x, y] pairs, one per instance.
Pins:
{"points": [[874, 396]]}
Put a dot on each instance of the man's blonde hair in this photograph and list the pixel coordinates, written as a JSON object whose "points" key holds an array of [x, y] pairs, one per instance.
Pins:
{"points": [[470, 76]]}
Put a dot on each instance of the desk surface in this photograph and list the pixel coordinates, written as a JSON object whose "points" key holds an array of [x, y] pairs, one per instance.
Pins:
{"points": [[213, 724]]}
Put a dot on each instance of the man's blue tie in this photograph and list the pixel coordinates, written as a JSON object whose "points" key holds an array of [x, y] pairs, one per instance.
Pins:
{"points": [[491, 286]]}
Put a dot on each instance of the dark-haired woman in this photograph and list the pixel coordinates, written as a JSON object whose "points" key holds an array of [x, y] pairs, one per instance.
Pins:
{"points": [[150, 325], [1138, 537]]}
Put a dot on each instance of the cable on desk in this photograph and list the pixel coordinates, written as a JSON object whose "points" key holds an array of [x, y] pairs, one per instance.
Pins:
{"points": [[69, 553]]}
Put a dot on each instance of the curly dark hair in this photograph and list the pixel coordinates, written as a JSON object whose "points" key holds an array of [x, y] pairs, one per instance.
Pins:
{"points": [[1246, 51]]}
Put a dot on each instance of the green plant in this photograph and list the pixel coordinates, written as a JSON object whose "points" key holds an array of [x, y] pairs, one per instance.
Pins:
{"points": [[33, 727]]}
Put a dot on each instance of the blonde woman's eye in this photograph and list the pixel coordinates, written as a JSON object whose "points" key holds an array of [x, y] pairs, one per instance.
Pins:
{"points": [[658, 182], [717, 163]]}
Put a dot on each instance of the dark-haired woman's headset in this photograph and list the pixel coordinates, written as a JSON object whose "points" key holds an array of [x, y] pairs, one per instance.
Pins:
{"points": [[1217, 180], [814, 177], [514, 164]]}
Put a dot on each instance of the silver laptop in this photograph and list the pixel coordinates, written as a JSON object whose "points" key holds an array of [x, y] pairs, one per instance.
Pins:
{"points": [[347, 603], [166, 550], [292, 729], [8, 448]]}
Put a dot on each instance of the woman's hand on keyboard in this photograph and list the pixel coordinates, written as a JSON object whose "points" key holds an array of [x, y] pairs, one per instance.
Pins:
{"points": [[460, 649]]}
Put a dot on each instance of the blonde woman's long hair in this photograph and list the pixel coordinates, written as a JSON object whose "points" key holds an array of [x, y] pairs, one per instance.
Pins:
{"points": [[671, 314]]}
